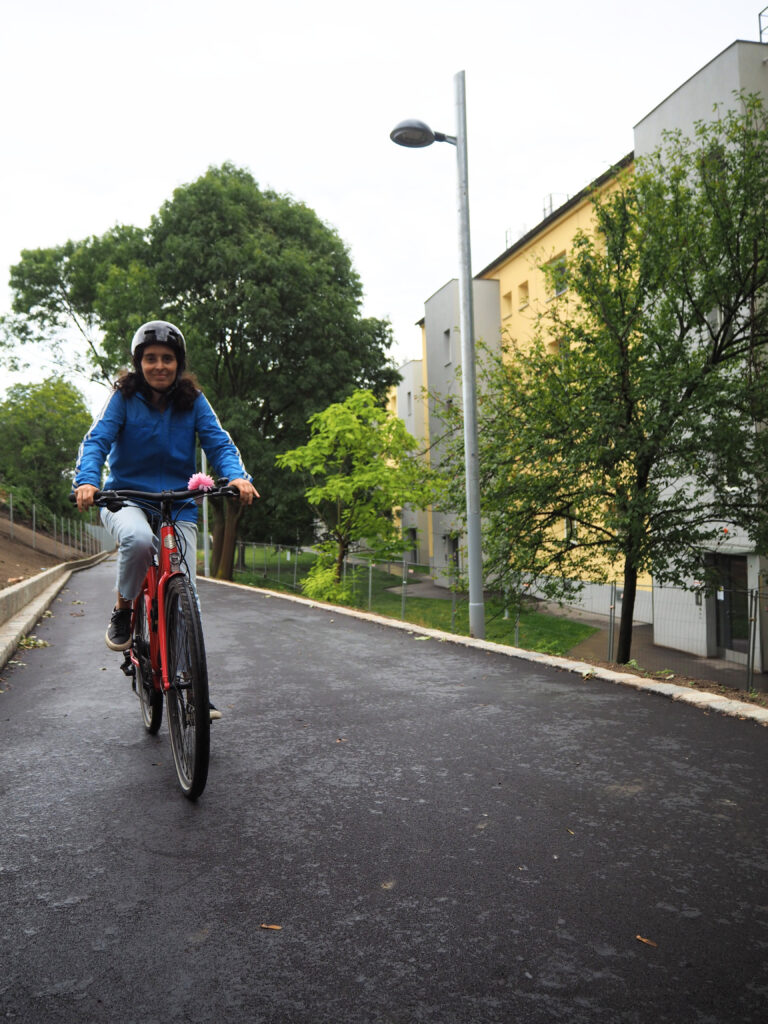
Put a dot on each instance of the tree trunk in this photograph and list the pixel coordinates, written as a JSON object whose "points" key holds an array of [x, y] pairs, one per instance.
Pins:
{"points": [[232, 510], [627, 614], [218, 536], [341, 555]]}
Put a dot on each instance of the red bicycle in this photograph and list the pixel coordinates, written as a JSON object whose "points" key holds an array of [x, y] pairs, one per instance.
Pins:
{"points": [[167, 653]]}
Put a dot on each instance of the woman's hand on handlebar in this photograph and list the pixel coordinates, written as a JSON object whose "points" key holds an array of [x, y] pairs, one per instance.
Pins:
{"points": [[247, 491], [84, 495]]}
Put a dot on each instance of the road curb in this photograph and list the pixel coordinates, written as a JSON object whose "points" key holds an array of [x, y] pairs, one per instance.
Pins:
{"points": [[698, 698], [23, 604]]}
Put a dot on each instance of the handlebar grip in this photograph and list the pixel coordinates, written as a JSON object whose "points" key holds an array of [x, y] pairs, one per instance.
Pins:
{"points": [[72, 497]]}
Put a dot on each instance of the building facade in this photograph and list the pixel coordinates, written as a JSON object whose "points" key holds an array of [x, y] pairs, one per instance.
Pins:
{"points": [[507, 294]]}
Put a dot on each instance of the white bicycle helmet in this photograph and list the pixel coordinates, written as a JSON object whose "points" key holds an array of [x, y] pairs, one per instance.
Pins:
{"points": [[159, 332]]}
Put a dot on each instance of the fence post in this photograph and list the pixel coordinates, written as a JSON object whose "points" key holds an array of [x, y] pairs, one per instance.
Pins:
{"points": [[611, 622], [296, 570], [753, 606], [370, 584], [34, 526], [404, 590], [10, 505]]}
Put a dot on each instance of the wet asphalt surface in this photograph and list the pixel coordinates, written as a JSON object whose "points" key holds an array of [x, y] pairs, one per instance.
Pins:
{"points": [[443, 835]]}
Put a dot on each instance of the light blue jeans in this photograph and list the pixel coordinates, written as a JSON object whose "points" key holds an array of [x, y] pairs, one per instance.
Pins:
{"points": [[137, 542]]}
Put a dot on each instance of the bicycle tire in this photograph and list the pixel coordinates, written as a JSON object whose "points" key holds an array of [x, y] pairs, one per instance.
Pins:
{"points": [[189, 722], [150, 698]]}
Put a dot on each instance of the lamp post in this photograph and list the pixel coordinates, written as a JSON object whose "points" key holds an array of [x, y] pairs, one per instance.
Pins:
{"points": [[416, 135]]}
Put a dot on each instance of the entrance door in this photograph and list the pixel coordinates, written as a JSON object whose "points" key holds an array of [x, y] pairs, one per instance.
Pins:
{"points": [[732, 605]]}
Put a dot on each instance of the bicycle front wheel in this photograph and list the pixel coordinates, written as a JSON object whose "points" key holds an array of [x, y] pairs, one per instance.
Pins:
{"points": [[150, 698], [189, 722]]}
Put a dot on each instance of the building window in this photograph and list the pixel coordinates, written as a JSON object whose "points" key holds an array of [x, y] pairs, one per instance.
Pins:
{"points": [[506, 304], [447, 347], [557, 275], [558, 347], [522, 295], [409, 403]]}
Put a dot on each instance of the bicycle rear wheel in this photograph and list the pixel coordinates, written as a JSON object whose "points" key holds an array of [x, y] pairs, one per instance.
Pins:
{"points": [[189, 722], [150, 698]]}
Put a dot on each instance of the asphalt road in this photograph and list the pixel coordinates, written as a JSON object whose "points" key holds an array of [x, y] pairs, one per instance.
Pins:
{"points": [[443, 835]]}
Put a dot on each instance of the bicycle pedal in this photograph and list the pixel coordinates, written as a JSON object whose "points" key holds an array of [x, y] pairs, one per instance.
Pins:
{"points": [[128, 667]]}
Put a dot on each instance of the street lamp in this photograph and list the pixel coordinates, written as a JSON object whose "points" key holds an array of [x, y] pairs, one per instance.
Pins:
{"points": [[416, 135]]}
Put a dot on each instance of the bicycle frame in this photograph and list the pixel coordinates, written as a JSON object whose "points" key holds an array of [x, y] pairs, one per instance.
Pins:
{"points": [[153, 594]]}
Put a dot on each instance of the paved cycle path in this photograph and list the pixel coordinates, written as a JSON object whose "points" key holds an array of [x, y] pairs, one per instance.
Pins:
{"points": [[443, 835]]}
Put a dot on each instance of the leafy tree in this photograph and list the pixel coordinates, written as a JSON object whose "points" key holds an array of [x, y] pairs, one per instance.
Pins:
{"points": [[630, 432], [42, 426], [361, 464], [267, 298]]}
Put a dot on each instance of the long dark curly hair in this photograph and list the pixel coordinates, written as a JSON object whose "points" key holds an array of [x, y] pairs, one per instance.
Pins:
{"points": [[182, 395]]}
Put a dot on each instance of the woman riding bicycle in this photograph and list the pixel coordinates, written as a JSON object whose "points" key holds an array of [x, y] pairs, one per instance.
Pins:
{"points": [[147, 431]]}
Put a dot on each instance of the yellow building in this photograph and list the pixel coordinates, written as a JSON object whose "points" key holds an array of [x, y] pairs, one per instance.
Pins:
{"points": [[523, 287], [506, 296]]}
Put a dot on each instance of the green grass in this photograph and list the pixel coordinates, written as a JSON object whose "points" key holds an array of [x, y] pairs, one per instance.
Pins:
{"points": [[538, 631]]}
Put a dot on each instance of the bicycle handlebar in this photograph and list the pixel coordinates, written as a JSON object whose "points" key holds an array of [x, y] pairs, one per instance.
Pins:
{"points": [[116, 499]]}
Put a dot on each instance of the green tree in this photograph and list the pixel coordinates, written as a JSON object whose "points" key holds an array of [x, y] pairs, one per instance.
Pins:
{"points": [[268, 300], [42, 426], [361, 464], [641, 437]]}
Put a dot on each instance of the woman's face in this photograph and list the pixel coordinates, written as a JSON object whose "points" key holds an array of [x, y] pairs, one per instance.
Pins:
{"points": [[159, 366]]}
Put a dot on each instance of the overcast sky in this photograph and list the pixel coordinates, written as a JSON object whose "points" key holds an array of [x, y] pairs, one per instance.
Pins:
{"points": [[107, 107]]}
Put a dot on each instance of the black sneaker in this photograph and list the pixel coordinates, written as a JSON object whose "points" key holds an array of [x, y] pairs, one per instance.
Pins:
{"points": [[214, 712], [119, 632]]}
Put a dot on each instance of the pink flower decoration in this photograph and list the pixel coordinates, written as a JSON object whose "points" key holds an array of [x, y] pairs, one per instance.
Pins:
{"points": [[200, 482]]}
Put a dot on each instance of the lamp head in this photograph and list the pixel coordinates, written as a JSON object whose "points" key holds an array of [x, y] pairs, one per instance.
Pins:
{"points": [[413, 134]]}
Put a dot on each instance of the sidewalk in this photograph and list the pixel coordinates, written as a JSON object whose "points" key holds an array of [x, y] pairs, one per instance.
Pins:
{"points": [[652, 658]]}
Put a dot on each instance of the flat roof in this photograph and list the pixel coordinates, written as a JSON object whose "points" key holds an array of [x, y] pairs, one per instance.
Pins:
{"points": [[573, 201], [736, 42]]}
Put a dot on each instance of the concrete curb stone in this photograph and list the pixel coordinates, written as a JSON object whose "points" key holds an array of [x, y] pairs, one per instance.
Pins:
{"points": [[24, 604]]}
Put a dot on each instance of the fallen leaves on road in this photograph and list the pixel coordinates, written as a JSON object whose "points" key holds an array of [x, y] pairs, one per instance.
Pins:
{"points": [[648, 942], [30, 641], [273, 927]]}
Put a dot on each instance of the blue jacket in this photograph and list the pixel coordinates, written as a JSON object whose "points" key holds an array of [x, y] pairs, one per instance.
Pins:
{"points": [[153, 450]]}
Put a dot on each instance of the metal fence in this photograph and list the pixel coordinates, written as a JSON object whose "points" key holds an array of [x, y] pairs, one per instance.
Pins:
{"points": [[719, 636], [60, 536], [284, 566]]}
